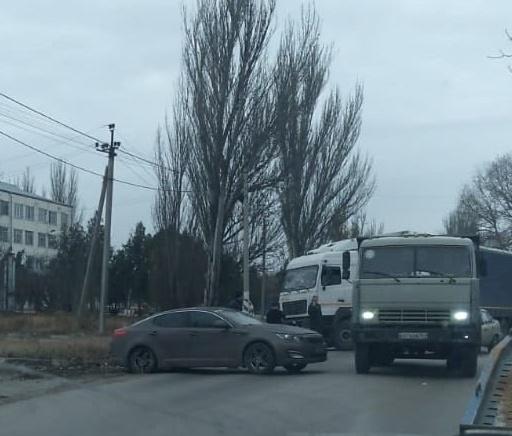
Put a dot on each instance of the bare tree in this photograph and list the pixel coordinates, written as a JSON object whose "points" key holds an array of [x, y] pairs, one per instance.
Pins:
{"points": [[322, 176], [462, 221], [488, 200], [27, 182], [172, 155], [227, 90], [64, 187]]}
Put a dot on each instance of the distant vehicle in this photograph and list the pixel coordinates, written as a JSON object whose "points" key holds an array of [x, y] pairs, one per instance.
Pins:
{"points": [[319, 273], [215, 337], [496, 285], [491, 330], [416, 296]]}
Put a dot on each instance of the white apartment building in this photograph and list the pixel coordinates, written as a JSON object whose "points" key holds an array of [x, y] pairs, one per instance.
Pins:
{"points": [[30, 223]]}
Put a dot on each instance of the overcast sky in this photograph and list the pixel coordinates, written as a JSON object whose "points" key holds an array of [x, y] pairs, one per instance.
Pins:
{"points": [[435, 106]]}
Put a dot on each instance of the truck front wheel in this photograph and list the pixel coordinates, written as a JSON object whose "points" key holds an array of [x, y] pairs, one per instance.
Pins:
{"points": [[342, 335], [362, 358]]}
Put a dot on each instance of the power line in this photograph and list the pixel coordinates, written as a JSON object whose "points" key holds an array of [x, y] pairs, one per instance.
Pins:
{"points": [[65, 140], [49, 117], [78, 167], [147, 161]]}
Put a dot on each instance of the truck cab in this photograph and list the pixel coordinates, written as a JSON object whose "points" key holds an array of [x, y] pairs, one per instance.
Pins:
{"points": [[320, 273], [417, 297]]}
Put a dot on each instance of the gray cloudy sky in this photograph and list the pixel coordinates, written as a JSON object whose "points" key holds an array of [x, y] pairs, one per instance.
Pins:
{"points": [[435, 105]]}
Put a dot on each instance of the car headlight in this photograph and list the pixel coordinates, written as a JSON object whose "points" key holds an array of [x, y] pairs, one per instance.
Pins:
{"points": [[368, 315], [288, 337], [460, 315]]}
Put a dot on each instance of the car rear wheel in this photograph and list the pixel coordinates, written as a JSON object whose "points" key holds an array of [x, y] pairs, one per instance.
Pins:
{"points": [[295, 368], [259, 358], [142, 360]]}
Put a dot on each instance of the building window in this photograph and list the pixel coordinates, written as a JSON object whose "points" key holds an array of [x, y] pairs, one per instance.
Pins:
{"points": [[18, 211], [29, 238], [4, 234], [43, 215], [64, 219], [41, 240], [18, 236], [29, 213], [52, 218], [4, 207], [52, 242]]}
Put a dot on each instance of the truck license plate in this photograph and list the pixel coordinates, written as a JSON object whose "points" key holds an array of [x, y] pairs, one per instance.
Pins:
{"points": [[413, 335]]}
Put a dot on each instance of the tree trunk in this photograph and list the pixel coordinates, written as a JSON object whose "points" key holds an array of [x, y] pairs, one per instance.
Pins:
{"points": [[216, 250]]}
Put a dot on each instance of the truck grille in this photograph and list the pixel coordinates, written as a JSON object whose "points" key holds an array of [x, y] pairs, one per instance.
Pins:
{"points": [[412, 316], [298, 307]]}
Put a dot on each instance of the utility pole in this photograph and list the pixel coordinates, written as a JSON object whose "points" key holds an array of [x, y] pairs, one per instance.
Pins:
{"points": [[92, 248], [111, 150], [246, 240], [264, 267]]}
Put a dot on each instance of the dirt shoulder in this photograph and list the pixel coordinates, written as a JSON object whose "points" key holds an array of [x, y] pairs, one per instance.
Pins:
{"points": [[32, 366]]}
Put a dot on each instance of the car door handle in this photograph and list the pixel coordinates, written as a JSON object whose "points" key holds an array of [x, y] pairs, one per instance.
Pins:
{"points": [[192, 334], [153, 333]]}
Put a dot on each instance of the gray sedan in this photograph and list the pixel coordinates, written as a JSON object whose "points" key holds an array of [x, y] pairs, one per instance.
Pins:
{"points": [[209, 337]]}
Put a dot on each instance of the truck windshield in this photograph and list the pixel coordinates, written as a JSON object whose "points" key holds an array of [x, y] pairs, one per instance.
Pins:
{"points": [[300, 278], [416, 261]]}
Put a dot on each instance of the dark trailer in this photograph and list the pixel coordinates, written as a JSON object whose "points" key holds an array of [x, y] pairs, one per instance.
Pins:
{"points": [[496, 285]]}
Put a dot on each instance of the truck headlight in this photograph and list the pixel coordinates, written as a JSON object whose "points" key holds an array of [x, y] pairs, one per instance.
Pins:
{"points": [[287, 337], [368, 315], [460, 315]]}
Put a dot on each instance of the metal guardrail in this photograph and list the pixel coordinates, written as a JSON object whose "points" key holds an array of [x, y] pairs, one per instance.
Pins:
{"points": [[489, 411]]}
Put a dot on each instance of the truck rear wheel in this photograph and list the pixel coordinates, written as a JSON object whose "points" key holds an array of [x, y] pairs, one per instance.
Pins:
{"points": [[362, 358], [342, 335]]}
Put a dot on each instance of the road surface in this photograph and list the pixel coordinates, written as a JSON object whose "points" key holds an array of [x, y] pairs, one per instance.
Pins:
{"points": [[411, 397]]}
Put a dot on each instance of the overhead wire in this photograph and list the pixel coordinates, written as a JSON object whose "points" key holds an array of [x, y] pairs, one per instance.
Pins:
{"points": [[78, 167]]}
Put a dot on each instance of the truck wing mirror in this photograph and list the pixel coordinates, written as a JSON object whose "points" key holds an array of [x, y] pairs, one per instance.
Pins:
{"points": [[346, 265]]}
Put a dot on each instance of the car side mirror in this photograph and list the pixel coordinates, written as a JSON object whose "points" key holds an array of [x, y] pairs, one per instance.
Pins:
{"points": [[346, 265]]}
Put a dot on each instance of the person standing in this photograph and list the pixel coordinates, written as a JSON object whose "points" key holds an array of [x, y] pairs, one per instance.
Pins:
{"points": [[275, 315], [315, 315]]}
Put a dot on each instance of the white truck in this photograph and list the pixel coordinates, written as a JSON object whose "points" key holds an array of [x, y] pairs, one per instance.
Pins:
{"points": [[320, 273]]}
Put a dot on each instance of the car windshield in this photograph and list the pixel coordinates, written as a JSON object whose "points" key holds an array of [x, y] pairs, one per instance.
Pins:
{"points": [[416, 261], [300, 278], [238, 318]]}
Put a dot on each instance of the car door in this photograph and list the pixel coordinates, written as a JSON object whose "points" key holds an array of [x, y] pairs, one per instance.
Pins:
{"points": [[169, 336], [214, 341]]}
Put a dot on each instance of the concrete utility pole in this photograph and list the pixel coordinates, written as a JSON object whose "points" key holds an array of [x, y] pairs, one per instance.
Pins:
{"points": [[111, 150], [92, 248], [246, 240]]}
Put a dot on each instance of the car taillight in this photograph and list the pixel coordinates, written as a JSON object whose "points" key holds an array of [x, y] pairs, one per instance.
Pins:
{"points": [[120, 332]]}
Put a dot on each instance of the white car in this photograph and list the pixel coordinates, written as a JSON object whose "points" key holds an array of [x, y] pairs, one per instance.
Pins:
{"points": [[491, 330]]}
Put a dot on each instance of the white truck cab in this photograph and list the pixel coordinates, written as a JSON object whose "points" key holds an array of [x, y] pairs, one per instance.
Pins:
{"points": [[320, 273]]}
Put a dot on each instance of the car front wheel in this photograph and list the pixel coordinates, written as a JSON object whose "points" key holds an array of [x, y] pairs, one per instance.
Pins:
{"points": [[259, 358]]}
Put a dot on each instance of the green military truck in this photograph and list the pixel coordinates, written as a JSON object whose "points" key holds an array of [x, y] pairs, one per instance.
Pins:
{"points": [[416, 296]]}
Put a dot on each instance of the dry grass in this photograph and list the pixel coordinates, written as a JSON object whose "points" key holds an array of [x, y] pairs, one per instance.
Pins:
{"points": [[81, 348], [42, 324]]}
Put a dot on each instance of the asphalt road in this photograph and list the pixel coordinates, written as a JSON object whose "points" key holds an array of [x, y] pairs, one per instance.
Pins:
{"points": [[411, 397]]}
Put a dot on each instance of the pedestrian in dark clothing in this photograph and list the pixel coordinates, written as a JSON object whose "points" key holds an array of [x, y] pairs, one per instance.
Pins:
{"points": [[274, 315], [315, 315]]}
